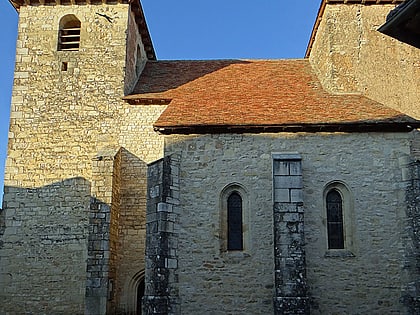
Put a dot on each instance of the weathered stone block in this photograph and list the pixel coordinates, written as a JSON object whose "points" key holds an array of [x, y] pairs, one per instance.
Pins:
{"points": [[281, 195]]}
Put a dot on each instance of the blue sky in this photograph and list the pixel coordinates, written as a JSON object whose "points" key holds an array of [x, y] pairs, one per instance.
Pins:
{"points": [[191, 29]]}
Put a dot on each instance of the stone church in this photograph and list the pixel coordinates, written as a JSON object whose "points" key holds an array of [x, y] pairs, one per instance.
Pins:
{"points": [[139, 186]]}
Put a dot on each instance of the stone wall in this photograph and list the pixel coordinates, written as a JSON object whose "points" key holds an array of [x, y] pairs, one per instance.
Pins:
{"points": [[131, 228], [162, 274], [136, 56], [350, 55], [103, 232], [61, 117], [44, 248], [411, 240], [291, 292], [364, 278]]}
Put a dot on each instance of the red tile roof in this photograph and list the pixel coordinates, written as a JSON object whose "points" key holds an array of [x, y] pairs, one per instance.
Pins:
{"points": [[250, 95]]}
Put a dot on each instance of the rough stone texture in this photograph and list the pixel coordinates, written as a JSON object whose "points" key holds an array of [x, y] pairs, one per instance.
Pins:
{"points": [[104, 209], [72, 228], [350, 55], [161, 294], [44, 248], [60, 120], [370, 282], [411, 258], [131, 230], [136, 56], [289, 237]]}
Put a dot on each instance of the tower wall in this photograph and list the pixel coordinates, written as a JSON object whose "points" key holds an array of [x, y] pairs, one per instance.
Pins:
{"points": [[350, 55], [67, 110]]}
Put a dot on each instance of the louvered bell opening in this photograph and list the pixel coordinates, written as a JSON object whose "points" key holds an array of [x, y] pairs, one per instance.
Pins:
{"points": [[69, 39]]}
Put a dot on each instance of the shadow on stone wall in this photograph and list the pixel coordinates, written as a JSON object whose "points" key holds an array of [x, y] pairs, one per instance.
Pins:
{"points": [[43, 249], [71, 246], [128, 248]]}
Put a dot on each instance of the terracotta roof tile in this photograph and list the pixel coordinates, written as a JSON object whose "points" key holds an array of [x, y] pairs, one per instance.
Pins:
{"points": [[245, 93]]}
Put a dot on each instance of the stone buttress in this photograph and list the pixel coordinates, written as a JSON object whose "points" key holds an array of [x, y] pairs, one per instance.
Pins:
{"points": [[161, 292], [289, 239]]}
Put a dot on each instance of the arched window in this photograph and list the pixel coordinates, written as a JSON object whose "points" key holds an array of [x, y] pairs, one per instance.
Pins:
{"points": [[234, 230], [339, 218], [234, 224], [335, 225], [69, 33]]}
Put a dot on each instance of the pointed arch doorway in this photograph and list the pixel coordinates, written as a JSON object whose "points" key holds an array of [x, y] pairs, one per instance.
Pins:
{"points": [[135, 294]]}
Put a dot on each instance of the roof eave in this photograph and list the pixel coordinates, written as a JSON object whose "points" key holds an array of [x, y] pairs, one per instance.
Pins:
{"points": [[143, 29], [290, 128], [15, 5]]}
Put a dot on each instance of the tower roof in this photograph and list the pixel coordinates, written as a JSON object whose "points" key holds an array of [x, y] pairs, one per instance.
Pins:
{"points": [[255, 96], [349, 2]]}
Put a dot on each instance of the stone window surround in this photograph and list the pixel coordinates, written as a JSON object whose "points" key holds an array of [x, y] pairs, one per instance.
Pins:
{"points": [[348, 219], [223, 228]]}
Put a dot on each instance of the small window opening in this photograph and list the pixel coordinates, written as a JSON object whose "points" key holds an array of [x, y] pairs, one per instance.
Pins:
{"points": [[69, 33], [335, 220], [234, 218], [64, 66]]}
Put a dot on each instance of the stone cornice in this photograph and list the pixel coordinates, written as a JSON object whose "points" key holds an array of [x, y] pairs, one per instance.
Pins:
{"points": [[20, 3]]}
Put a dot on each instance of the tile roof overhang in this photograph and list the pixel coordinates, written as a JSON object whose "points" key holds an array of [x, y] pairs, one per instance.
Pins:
{"points": [[218, 96], [135, 7], [403, 23], [322, 9]]}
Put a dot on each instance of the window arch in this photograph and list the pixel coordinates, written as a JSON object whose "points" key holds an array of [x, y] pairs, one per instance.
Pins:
{"points": [[69, 33], [234, 219], [339, 213]]}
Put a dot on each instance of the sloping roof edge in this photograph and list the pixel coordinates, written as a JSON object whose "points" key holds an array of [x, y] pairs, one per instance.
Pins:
{"points": [[322, 9]]}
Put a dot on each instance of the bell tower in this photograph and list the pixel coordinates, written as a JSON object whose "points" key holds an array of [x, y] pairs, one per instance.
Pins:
{"points": [[75, 61]]}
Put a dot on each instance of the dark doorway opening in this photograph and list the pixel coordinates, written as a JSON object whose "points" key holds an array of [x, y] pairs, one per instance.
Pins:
{"points": [[140, 294]]}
